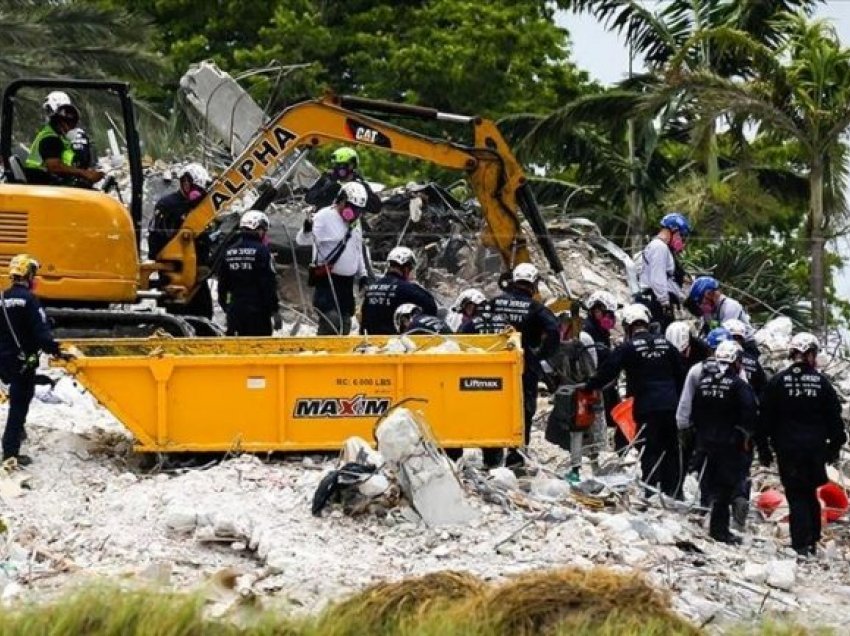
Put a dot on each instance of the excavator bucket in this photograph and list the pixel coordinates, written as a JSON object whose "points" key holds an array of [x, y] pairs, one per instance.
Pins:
{"points": [[302, 394]]}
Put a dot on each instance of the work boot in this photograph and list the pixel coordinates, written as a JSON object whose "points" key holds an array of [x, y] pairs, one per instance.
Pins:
{"points": [[726, 537], [740, 510], [20, 460], [573, 476], [514, 459]]}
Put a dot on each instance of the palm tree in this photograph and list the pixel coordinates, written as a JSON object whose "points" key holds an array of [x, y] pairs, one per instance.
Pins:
{"points": [[656, 116], [801, 95], [44, 38]]}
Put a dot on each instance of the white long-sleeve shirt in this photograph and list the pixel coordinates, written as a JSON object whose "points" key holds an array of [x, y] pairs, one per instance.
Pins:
{"points": [[686, 400], [329, 229], [658, 269]]}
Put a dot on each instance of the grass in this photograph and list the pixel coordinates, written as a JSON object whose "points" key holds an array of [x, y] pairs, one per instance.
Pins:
{"points": [[557, 603]]}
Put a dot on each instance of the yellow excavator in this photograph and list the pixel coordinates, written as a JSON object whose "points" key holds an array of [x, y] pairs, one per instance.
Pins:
{"points": [[88, 243]]}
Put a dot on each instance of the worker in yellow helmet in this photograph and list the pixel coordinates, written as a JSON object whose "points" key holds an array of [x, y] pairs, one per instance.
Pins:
{"points": [[24, 332]]}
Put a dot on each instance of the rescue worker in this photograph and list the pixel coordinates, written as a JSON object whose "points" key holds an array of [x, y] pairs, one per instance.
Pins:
{"points": [[51, 156], [410, 320], [693, 456], [801, 422], [724, 417], [660, 286], [740, 333], [477, 316], [600, 320], [540, 337], [168, 215], [344, 170], [706, 301], [392, 290], [757, 379], [654, 375], [693, 349], [338, 257], [247, 281], [23, 333]]}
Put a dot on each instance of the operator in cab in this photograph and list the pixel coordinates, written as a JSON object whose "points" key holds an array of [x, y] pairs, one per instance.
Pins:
{"points": [[52, 159], [392, 290], [24, 333], [168, 216], [247, 281], [344, 170]]}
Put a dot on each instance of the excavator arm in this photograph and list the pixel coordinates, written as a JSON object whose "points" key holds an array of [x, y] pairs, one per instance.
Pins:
{"points": [[490, 167]]}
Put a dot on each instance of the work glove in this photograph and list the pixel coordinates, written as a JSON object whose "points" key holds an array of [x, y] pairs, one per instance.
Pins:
{"points": [[363, 283], [308, 225], [765, 457], [93, 175], [277, 320]]}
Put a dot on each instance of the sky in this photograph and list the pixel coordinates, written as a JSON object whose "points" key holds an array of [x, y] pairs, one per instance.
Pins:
{"points": [[604, 55]]}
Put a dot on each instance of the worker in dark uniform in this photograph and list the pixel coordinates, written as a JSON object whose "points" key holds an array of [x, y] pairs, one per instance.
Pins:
{"points": [[540, 338], [51, 159], [392, 290], [24, 332], [477, 316], [410, 320], [324, 192], [168, 216], [654, 376], [754, 372], [724, 416], [247, 281], [801, 422], [659, 281]]}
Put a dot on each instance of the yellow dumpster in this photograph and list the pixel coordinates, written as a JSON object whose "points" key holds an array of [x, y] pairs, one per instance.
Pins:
{"points": [[288, 394]]}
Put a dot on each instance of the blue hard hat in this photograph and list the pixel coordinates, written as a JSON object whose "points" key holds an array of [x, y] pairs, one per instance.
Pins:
{"points": [[716, 336], [702, 285], [676, 222]]}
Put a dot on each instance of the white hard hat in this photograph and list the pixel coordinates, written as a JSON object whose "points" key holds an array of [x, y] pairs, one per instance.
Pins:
{"points": [[402, 256], [736, 327], [636, 313], [54, 100], [470, 295], [526, 272], [254, 220], [728, 352], [197, 174], [804, 342], [604, 298], [679, 335], [354, 193], [407, 310]]}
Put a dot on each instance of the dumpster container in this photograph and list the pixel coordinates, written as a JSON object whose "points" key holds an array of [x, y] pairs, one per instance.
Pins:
{"points": [[301, 394]]}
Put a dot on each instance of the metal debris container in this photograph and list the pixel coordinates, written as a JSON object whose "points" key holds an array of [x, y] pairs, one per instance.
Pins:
{"points": [[301, 394]]}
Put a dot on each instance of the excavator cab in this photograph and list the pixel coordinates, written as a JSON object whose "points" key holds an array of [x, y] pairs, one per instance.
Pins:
{"points": [[86, 240]]}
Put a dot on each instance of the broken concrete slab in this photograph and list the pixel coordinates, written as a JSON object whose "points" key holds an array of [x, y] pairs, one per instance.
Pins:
{"points": [[424, 472]]}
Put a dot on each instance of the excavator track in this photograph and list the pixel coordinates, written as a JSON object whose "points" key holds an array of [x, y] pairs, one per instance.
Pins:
{"points": [[110, 323]]}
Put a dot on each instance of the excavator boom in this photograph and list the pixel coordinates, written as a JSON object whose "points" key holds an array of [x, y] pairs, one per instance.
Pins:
{"points": [[490, 167]]}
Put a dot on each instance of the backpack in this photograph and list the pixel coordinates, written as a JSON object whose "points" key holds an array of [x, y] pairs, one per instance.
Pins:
{"points": [[573, 362], [574, 410]]}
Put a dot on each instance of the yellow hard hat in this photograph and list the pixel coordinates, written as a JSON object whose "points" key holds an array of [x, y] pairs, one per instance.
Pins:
{"points": [[23, 265]]}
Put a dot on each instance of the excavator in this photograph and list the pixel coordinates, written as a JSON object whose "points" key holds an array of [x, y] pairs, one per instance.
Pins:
{"points": [[88, 243]]}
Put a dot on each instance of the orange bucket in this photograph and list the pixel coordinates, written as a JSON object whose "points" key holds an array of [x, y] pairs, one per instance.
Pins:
{"points": [[769, 500], [623, 416], [833, 500]]}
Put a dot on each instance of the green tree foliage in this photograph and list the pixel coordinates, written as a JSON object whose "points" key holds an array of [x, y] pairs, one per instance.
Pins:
{"points": [[456, 55]]}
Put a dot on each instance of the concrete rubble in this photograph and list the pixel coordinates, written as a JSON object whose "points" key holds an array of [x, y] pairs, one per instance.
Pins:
{"points": [[88, 510]]}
